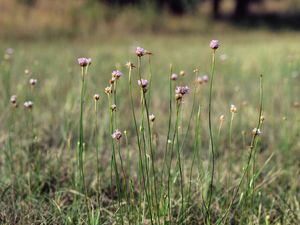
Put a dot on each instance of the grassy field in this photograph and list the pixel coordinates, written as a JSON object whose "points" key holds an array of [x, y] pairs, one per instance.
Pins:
{"points": [[41, 179]]}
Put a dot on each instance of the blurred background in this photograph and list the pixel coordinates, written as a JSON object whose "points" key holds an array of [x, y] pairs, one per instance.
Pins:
{"points": [[34, 19]]}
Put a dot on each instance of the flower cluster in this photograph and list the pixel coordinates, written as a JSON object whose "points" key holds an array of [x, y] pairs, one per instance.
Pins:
{"points": [[117, 135], [214, 44], [174, 76], [181, 91], [233, 108], [143, 83], [83, 62], [116, 74], [28, 104]]}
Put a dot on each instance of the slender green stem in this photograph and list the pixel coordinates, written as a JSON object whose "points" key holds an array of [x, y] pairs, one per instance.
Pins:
{"points": [[139, 145], [210, 192]]}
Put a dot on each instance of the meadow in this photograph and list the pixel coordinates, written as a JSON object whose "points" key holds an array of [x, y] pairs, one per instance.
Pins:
{"points": [[62, 161]]}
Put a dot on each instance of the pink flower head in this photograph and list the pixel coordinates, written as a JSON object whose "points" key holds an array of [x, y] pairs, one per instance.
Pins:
{"points": [[116, 74], [214, 44], [13, 99], [10, 51], [33, 81], [140, 51], [117, 135], [182, 90], [28, 104], [83, 62], [205, 78], [174, 76], [143, 84]]}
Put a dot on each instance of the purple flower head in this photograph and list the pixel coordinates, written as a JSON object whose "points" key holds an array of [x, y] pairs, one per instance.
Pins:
{"points": [[140, 51], [182, 90], [28, 104], [174, 76], [205, 78], [10, 51], [116, 74], [143, 83], [83, 62], [214, 44], [117, 135], [33, 81]]}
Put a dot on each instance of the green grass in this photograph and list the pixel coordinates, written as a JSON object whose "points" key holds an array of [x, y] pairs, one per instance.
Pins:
{"points": [[52, 196]]}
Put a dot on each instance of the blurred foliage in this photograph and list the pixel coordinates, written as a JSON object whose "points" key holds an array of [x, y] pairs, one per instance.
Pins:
{"points": [[28, 2]]}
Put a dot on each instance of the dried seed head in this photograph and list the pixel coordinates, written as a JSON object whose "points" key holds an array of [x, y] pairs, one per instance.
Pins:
{"points": [[113, 107], [140, 51], [174, 76], [130, 65], [108, 90], [214, 44], [222, 118], [96, 97], [256, 131], [152, 117], [83, 62], [182, 73], [233, 109], [262, 118], [33, 81], [196, 70], [199, 80], [116, 74], [117, 135], [296, 104], [28, 104]]}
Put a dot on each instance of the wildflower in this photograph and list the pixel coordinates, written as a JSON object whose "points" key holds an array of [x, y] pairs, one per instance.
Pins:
{"points": [[10, 51], [83, 62], [262, 118], [117, 135], [205, 78], [13, 99], [196, 70], [27, 72], [116, 74], [108, 90], [214, 44], [181, 91], [113, 107], [130, 65], [152, 117], [140, 51], [143, 84], [233, 108], [96, 97], [33, 81], [174, 76], [256, 131], [182, 73], [28, 104]]}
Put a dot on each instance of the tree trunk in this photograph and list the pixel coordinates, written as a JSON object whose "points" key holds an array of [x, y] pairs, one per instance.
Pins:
{"points": [[241, 9]]}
